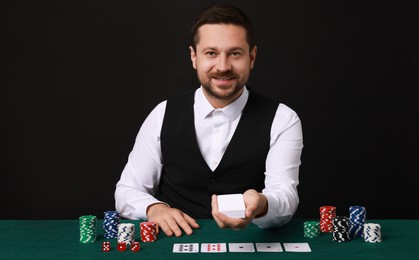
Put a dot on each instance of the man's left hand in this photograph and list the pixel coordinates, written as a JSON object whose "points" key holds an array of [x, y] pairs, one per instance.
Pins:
{"points": [[256, 206]]}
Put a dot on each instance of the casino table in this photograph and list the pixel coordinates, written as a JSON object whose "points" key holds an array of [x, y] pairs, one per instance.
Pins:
{"points": [[59, 239]]}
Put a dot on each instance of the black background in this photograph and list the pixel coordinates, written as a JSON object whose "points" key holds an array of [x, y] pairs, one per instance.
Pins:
{"points": [[79, 77]]}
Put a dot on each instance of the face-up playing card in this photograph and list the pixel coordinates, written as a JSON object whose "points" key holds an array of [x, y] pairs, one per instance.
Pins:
{"points": [[268, 247], [297, 247], [186, 248], [241, 247], [213, 248]]}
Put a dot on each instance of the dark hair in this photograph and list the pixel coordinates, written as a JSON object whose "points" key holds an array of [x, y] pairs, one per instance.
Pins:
{"points": [[223, 14]]}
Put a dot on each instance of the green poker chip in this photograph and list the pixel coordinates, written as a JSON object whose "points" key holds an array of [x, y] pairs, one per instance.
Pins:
{"points": [[88, 227], [311, 229]]}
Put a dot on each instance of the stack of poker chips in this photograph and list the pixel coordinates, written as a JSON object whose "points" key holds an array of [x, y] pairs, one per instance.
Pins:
{"points": [[148, 231], [87, 228], [372, 233], [327, 214], [126, 233], [340, 229], [110, 224], [311, 229], [357, 216]]}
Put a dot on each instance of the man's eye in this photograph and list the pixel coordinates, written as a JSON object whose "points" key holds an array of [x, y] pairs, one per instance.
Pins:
{"points": [[210, 53], [236, 54]]}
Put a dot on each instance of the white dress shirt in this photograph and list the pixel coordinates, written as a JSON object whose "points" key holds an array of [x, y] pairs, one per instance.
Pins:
{"points": [[214, 129]]}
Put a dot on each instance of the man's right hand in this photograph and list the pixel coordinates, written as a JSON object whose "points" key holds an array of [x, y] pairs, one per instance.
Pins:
{"points": [[171, 220]]}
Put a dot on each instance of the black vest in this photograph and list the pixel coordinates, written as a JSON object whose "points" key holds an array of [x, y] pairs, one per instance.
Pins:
{"points": [[187, 182]]}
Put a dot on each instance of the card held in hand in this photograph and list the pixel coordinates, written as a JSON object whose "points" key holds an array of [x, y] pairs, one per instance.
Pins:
{"points": [[231, 205]]}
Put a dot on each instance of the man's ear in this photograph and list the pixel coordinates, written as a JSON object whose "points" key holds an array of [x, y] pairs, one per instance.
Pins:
{"points": [[193, 56], [253, 53]]}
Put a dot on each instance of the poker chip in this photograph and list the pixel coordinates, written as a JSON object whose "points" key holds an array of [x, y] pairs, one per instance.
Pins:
{"points": [[126, 233], [311, 229], [327, 214], [372, 233], [357, 216], [340, 229], [148, 231], [110, 224], [87, 225]]}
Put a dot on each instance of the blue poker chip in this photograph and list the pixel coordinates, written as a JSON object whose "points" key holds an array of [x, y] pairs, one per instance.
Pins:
{"points": [[110, 224], [357, 217]]}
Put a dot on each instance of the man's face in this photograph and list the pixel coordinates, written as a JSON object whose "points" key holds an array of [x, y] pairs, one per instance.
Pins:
{"points": [[223, 62]]}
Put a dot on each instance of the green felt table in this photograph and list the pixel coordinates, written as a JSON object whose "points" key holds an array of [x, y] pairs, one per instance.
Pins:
{"points": [[59, 239]]}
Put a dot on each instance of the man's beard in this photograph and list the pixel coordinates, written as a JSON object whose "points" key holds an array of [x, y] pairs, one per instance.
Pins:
{"points": [[233, 90]]}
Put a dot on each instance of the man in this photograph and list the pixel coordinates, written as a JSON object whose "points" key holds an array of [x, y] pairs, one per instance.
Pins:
{"points": [[221, 138]]}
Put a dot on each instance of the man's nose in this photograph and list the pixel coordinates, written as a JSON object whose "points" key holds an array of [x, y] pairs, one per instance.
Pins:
{"points": [[223, 63]]}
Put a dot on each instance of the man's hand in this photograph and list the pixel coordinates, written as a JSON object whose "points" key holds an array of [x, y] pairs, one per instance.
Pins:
{"points": [[171, 220], [256, 206]]}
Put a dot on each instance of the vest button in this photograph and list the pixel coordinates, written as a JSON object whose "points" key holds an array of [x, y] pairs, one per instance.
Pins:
{"points": [[213, 181]]}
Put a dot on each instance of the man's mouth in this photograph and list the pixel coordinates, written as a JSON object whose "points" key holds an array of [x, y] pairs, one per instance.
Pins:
{"points": [[223, 81], [223, 78]]}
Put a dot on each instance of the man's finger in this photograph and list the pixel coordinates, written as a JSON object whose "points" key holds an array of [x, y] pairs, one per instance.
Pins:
{"points": [[181, 221], [166, 229], [214, 204], [218, 221], [250, 210], [174, 227], [191, 221], [157, 227], [218, 217]]}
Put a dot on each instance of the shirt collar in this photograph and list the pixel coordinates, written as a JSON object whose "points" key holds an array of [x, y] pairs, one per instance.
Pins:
{"points": [[232, 110]]}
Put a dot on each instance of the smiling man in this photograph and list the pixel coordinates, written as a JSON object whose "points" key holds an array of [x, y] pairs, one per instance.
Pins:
{"points": [[221, 138], [223, 60]]}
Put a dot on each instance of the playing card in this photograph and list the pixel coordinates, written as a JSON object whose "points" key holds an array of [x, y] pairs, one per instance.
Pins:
{"points": [[213, 248], [186, 248], [268, 247], [241, 247], [297, 247], [232, 205]]}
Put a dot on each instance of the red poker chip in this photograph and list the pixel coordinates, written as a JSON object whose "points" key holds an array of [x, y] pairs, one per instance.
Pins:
{"points": [[327, 214], [148, 231], [328, 209]]}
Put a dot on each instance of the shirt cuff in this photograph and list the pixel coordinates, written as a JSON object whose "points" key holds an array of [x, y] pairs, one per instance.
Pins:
{"points": [[272, 218], [142, 209]]}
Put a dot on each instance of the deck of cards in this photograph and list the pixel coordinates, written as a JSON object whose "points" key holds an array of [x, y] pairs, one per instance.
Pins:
{"points": [[232, 205], [240, 247]]}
